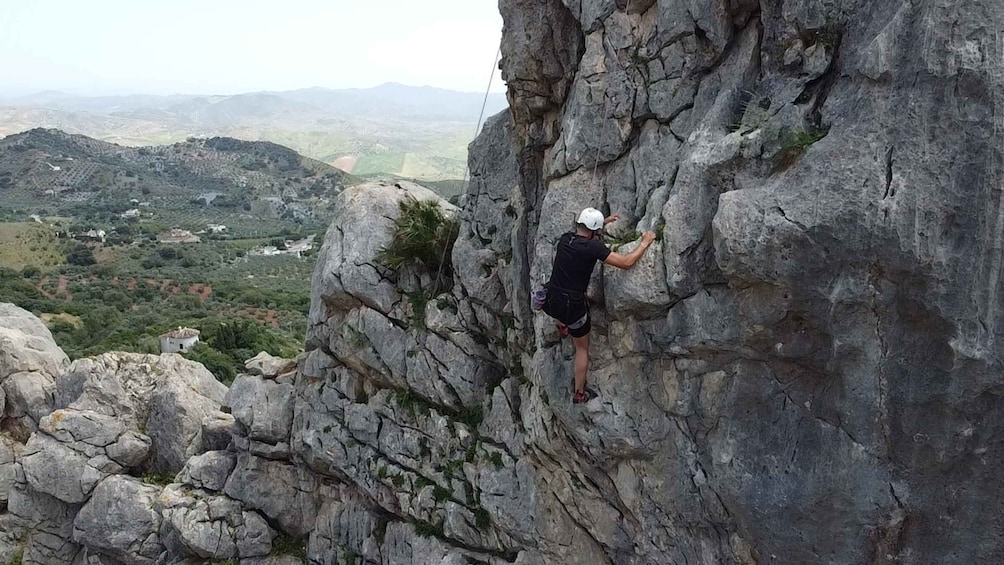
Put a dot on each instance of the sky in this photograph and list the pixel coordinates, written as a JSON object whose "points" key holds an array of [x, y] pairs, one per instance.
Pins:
{"points": [[103, 47]]}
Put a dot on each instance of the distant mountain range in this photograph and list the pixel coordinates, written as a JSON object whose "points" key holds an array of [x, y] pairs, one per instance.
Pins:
{"points": [[419, 132]]}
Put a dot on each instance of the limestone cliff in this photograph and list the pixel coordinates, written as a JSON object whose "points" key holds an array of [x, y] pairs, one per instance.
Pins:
{"points": [[804, 369]]}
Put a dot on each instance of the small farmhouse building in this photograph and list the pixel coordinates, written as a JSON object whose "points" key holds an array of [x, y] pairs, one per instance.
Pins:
{"points": [[179, 340]]}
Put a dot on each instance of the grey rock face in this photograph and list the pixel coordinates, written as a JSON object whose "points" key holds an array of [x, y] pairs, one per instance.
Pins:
{"points": [[73, 451], [213, 527], [810, 344], [26, 345], [120, 521], [762, 371], [279, 490], [166, 395], [263, 407], [29, 362], [68, 485]]}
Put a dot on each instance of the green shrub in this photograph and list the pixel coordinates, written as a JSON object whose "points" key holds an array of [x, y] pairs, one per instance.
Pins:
{"points": [[427, 529], [283, 544], [80, 255], [482, 519], [424, 237], [17, 557], [220, 365]]}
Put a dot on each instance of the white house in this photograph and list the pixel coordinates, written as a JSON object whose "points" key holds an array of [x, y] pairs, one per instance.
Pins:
{"points": [[95, 235], [179, 340], [134, 213]]}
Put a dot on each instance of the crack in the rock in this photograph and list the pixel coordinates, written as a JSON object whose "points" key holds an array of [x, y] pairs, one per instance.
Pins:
{"points": [[809, 412], [582, 527], [889, 190], [883, 384]]}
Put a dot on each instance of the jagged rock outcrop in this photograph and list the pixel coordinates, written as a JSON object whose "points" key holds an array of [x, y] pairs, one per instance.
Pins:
{"points": [[116, 415], [166, 396], [29, 363], [810, 346], [803, 369], [86, 487]]}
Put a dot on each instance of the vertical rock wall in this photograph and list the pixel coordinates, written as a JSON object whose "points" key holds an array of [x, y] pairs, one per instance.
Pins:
{"points": [[803, 369], [811, 347]]}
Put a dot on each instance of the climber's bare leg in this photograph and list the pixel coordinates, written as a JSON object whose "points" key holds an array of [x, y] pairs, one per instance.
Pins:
{"points": [[581, 361]]}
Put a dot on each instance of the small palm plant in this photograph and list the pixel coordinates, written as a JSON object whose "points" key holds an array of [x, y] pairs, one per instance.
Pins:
{"points": [[424, 237]]}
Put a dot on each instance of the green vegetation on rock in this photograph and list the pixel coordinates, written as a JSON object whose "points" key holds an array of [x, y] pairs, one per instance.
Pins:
{"points": [[423, 236]]}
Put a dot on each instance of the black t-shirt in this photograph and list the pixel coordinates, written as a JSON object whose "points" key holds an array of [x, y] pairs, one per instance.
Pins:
{"points": [[574, 260]]}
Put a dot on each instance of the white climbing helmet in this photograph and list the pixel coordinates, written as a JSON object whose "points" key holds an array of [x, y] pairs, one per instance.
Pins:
{"points": [[591, 218]]}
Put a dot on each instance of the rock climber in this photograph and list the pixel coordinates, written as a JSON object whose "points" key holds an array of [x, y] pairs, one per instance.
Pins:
{"points": [[576, 254]]}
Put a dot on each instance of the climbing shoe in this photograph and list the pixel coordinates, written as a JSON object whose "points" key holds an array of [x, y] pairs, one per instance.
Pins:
{"points": [[584, 396], [562, 330]]}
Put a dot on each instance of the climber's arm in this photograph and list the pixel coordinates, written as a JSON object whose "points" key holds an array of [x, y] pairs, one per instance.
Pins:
{"points": [[627, 261]]}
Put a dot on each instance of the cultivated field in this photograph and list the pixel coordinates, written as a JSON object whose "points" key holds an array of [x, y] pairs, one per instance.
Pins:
{"points": [[28, 243]]}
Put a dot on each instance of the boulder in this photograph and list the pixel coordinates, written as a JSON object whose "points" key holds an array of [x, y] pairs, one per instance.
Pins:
{"points": [[263, 407], [26, 345], [212, 527], [166, 395], [282, 492], [208, 471], [265, 365], [74, 450], [121, 522], [29, 362]]}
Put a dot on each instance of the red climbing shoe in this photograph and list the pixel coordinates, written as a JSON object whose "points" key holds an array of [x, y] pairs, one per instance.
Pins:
{"points": [[583, 396]]}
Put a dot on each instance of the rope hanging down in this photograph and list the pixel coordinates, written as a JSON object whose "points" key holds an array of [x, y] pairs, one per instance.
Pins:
{"points": [[467, 163], [603, 119]]}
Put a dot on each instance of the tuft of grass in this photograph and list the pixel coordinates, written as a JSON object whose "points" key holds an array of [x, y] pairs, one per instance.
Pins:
{"points": [[158, 479], [423, 236], [453, 469], [419, 303], [794, 143], [496, 459], [617, 242], [472, 416], [414, 404], [284, 544], [428, 529], [482, 519], [660, 228], [440, 494], [17, 557]]}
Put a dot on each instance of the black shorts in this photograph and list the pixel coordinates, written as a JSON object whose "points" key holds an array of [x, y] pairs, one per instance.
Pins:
{"points": [[569, 308]]}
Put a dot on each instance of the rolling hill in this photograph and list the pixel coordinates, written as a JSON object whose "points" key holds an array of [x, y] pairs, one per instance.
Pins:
{"points": [[209, 179]]}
